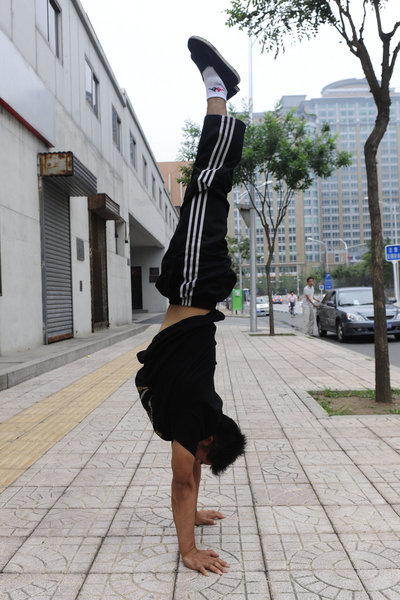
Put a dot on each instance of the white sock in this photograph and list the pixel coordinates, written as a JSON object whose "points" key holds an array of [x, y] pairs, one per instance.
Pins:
{"points": [[214, 85]]}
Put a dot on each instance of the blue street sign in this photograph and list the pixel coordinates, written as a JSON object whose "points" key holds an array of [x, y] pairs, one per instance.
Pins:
{"points": [[392, 252], [328, 282]]}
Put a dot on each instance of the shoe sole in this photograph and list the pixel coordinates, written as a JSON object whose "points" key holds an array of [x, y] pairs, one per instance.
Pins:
{"points": [[218, 62]]}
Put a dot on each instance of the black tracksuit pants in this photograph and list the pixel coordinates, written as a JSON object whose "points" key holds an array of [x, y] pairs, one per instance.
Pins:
{"points": [[196, 269]]}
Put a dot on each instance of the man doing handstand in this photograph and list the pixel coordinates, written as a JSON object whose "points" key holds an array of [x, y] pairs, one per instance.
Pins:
{"points": [[176, 382]]}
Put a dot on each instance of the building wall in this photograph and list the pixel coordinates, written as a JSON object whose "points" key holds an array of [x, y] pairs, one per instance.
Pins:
{"points": [[44, 108]]}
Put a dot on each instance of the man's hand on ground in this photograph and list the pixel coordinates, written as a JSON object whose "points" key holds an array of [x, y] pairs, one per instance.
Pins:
{"points": [[207, 517], [204, 561]]}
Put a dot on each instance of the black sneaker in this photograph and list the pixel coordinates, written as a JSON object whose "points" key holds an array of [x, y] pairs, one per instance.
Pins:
{"points": [[205, 55]]}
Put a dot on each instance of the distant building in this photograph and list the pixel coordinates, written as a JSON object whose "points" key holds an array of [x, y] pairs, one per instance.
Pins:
{"points": [[84, 214], [334, 211], [171, 173]]}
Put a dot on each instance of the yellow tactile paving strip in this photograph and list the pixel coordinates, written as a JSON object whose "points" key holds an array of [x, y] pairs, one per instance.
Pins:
{"points": [[25, 437]]}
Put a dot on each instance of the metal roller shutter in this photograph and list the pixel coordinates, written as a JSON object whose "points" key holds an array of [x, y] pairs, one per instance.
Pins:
{"points": [[57, 275]]}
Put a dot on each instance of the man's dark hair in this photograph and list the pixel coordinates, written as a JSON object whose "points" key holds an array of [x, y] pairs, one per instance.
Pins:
{"points": [[228, 444]]}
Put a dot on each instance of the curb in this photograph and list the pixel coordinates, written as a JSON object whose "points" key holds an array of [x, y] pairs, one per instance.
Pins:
{"points": [[39, 366]]}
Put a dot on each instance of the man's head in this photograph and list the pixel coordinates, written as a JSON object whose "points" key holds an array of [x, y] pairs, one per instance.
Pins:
{"points": [[224, 447], [310, 281]]}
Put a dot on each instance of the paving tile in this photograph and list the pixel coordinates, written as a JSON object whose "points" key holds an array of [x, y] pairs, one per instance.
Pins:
{"points": [[30, 496], [345, 494], [315, 458], [54, 555], [334, 474], [283, 494], [373, 551], [91, 497], [292, 519], [381, 584], [17, 522], [383, 474], [275, 468], [305, 551], [375, 458], [367, 518], [44, 476], [104, 477], [71, 460], [118, 446], [77, 522], [269, 445], [15, 586], [129, 586], [135, 554], [318, 444], [121, 434], [368, 444], [234, 584], [8, 547], [316, 585]]}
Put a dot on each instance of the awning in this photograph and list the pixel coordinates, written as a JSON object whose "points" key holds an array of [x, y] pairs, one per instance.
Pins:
{"points": [[68, 173], [106, 208]]}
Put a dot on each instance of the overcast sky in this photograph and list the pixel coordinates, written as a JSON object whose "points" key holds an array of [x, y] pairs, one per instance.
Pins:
{"points": [[146, 45]]}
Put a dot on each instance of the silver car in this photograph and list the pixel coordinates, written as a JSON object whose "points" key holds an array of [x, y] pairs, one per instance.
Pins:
{"points": [[349, 312]]}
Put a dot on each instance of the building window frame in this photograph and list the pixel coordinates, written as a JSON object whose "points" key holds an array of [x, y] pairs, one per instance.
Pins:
{"points": [[116, 127], [91, 88], [132, 150], [145, 171], [48, 21]]}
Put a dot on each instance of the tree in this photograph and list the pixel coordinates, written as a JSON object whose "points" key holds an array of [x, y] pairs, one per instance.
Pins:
{"points": [[271, 21], [238, 248], [282, 154], [188, 150]]}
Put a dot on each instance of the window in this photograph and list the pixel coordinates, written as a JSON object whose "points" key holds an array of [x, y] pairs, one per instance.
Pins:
{"points": [[160, 198], [153, 187], [116, 128], [48, 19], [144, 171], [132, 150], [91, 88]]}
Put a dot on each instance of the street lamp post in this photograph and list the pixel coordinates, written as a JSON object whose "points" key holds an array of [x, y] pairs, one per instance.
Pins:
{"points": [[326, 251], [345, 249], [252, 213]]}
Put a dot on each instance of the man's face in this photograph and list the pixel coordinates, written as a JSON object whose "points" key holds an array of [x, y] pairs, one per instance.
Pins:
{"points": [[310, 281], [201, 452]]}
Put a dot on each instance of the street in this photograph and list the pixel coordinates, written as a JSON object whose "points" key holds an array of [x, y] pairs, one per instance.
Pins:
{"points": [[362, 345]]}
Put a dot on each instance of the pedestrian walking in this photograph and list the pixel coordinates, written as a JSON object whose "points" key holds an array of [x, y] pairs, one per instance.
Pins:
{"points": [[176, 382], [310, 302]]}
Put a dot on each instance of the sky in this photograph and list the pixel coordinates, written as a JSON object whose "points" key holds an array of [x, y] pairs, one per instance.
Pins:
{"points": [[146, 45]]}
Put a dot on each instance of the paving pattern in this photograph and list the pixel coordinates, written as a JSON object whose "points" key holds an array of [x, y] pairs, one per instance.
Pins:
{"points": [[312, 511]]}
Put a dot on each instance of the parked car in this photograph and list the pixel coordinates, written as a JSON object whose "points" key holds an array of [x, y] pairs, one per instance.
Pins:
{"points": [[262, 306], [350, 312], [276, 299]]}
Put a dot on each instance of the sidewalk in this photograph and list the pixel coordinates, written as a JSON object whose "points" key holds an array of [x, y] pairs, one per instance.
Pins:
{"points": [[313, 509], [24, 365]]}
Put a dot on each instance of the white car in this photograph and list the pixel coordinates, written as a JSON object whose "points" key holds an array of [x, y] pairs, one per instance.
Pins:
{"points": [[262, 306]]}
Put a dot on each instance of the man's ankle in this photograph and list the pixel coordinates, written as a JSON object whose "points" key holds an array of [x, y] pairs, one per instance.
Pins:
{"points": [[216, 106]]}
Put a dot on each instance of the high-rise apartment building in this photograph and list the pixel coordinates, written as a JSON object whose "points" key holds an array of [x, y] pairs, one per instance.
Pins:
{"points": [[330, 222]]}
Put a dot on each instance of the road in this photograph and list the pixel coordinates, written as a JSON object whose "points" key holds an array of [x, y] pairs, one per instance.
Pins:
{"points": [[362, 345]]}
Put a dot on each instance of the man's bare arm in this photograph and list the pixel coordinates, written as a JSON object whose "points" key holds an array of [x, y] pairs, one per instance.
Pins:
{"points": [[184, 499]]}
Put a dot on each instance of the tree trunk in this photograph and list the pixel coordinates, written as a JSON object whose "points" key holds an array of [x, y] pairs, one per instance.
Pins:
{"points": [[269, 292], [382, 368]]}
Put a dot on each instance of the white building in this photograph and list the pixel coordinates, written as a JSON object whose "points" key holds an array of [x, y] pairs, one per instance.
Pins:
{"points": [[84, 216]]}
